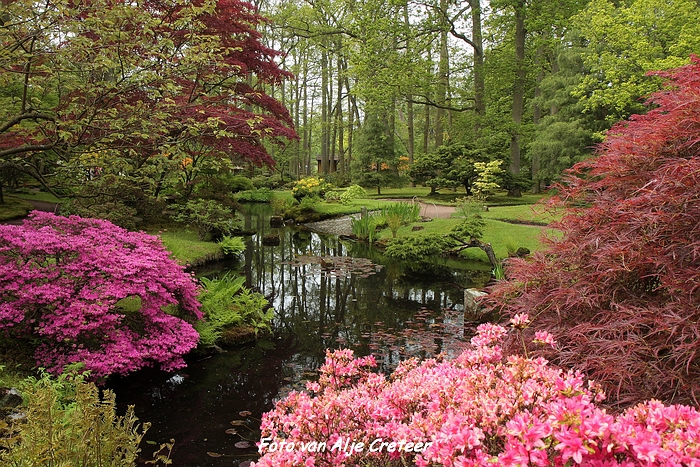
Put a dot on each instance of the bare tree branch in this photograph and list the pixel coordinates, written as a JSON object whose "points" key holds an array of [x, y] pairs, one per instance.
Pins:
{"points": [[26, 116]]}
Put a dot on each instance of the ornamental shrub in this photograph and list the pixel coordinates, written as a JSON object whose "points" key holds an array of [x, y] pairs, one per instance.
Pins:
{"points": [[480, 409], [84, 290], [310, 186], [351, 193], [66, 422], [621, 287], [486, 182], [209, 216]]}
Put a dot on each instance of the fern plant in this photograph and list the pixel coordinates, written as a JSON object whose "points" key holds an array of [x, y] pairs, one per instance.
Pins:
{"points": [[68, 424], [226, 302]]}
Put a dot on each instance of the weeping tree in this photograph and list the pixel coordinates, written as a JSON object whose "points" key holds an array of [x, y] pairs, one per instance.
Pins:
{"points": [[619, 287]]}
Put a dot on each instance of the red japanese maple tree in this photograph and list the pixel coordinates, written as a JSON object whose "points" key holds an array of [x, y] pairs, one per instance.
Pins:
{"points": [[620, 290], [109, 78]]}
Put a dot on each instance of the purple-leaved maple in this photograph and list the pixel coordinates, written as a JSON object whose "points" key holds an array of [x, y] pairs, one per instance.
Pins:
{"points": [[620, 289], [71, 287]]}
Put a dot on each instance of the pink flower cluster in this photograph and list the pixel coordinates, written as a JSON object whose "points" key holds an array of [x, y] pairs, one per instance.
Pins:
{"points": [[61, 283], [480, 409]]}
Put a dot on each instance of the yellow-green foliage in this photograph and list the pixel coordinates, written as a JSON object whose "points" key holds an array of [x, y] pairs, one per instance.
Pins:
{"points": [[68, 424], [487, 180]]}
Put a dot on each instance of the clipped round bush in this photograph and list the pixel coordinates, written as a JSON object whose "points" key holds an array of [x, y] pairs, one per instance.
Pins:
{"points": [[352, 192], [240, 183], [86, 291]]}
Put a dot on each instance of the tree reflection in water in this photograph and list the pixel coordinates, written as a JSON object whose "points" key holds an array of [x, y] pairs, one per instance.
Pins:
{"points": [[327, 293]]}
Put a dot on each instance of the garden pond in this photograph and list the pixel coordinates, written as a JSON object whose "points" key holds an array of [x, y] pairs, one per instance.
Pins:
{"points": [[327, 293]]}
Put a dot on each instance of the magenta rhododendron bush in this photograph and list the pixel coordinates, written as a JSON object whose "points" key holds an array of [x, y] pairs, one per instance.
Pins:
{"points": [[71, 287], [480, 409]]}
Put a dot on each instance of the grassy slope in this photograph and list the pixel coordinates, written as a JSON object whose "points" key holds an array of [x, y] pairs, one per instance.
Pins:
{"points": [[13, 208], [187, 248]]}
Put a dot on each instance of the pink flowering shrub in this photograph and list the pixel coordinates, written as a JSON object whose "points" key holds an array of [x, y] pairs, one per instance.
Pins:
{"points": [[64, 283], [480, 409]]}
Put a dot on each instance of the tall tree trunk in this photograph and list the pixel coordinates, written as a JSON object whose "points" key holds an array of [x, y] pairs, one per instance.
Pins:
{"points": [[306, 164], [325, 137], [409, 97], [536, 117], [443, 83], [478, 73], [391, 130], [351, 133], [518, 92], [426, 129], [340, 167], [297, 116]]}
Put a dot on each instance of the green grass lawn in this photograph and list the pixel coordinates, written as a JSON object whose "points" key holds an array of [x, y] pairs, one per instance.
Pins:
{"points": [[524, 213], [187, 248], [13, 208], [38, 196], [505, 238], [354, 206]]}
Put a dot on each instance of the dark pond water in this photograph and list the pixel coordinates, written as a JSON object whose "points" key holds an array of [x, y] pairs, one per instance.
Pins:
{"points": [[327, 293]]}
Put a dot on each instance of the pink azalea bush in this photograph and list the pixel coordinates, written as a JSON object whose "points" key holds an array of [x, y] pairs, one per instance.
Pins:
{"points": [[480, 409], [63, 279]]}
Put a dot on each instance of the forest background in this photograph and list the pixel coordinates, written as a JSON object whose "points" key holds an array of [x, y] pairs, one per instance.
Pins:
{"points": [[116, 107]]}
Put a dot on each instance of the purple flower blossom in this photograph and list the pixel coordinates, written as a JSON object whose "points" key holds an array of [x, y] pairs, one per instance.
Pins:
{"points": [[75, 285]]}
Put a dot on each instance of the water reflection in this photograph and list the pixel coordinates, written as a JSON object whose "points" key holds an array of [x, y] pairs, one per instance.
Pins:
{"points": [[322, 300]]}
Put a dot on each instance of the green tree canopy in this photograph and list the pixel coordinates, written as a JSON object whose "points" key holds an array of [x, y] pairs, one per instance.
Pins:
{"points": [[146, 82]]}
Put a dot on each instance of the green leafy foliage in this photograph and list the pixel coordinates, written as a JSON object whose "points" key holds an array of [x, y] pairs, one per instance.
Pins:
{"points": [[257, 195], [239, 183], [365, 228], [487, 179], [209, 216], [226, 303], [351, 193], [448, 167], [232, 245], [628, 39], [376, 161], [417, 247], [332, 196], [68, 424], [398, 214]]}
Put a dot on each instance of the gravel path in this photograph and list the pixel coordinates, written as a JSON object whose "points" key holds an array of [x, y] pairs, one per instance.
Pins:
{"points": [[343, 225]]}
